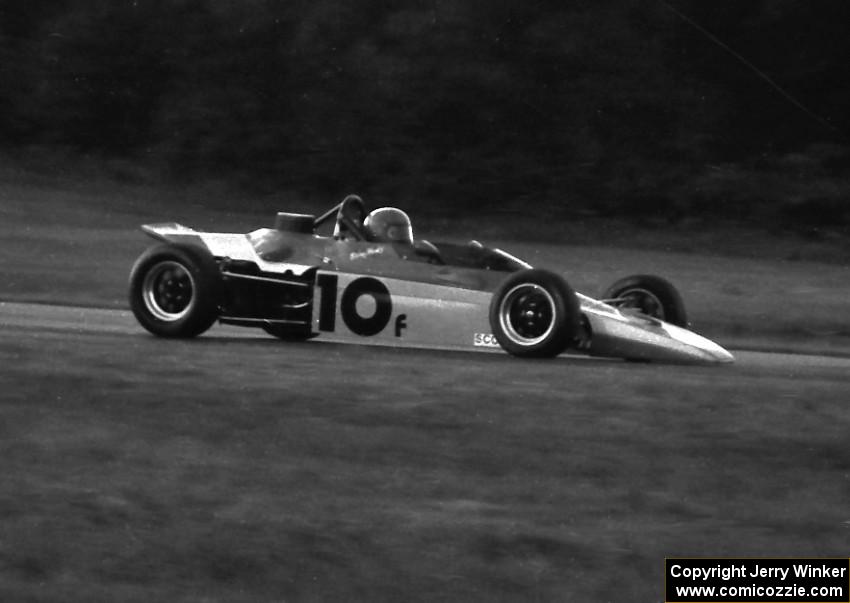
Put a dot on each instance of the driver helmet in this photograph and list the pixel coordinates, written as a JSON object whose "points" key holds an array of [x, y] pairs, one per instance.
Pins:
{"points": [[389, 225]]}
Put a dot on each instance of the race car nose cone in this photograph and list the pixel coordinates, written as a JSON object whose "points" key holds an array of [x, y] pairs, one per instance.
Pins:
{"points": [[702, 348]]}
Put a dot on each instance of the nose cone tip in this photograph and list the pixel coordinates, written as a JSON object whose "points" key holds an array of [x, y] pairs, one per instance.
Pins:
{"points": [[715, 354], [724, 356], [701, 347]]}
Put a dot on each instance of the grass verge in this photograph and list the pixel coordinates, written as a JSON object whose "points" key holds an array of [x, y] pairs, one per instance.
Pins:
{"points": [[250, 470]]}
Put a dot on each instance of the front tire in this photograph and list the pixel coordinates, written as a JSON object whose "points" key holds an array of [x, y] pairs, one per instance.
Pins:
{"points": [[535, 314], [175, 290], [650, 295]]}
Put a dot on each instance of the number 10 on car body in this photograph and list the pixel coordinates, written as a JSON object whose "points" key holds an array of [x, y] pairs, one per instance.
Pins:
{"points": [[357, 307]]}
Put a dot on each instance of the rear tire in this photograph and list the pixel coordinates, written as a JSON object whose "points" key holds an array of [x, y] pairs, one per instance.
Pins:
{"points": [[175, 290], [535, 314], [650, 295]]}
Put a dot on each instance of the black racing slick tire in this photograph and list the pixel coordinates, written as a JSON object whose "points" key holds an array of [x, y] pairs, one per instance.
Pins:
{"points": [[650, 295], [175, 290], [535, 314]]}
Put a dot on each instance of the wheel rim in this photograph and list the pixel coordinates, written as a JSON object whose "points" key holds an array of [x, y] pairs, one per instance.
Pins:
{"points": [[527, 314], [168, 291], [643, 301]]}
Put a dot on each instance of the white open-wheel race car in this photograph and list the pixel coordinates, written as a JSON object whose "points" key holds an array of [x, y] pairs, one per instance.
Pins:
{"points": [[367, 280]]}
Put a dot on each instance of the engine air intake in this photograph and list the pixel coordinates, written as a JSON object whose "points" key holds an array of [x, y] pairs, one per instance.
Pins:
{"points": [[289, 222]]}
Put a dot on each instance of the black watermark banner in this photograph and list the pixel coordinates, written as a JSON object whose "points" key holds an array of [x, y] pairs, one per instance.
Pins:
{"points": [[763, 580]]}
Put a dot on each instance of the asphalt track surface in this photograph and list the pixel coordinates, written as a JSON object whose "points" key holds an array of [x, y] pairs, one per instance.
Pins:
{"points": [[31, 317]]}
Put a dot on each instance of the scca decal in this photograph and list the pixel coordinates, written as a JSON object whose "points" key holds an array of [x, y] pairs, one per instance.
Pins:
{"points": [[486, 340], [361, 325]]}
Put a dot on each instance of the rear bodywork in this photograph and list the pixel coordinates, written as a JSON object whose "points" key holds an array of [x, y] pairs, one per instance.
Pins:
{"points": [[367, 292]]}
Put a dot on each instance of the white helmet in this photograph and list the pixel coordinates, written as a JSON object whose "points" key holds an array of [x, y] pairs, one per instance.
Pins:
{"points": [[388, 225]]}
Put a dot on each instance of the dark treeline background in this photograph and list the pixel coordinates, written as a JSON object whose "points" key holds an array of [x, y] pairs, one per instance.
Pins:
{"points": [[580, 107]]}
